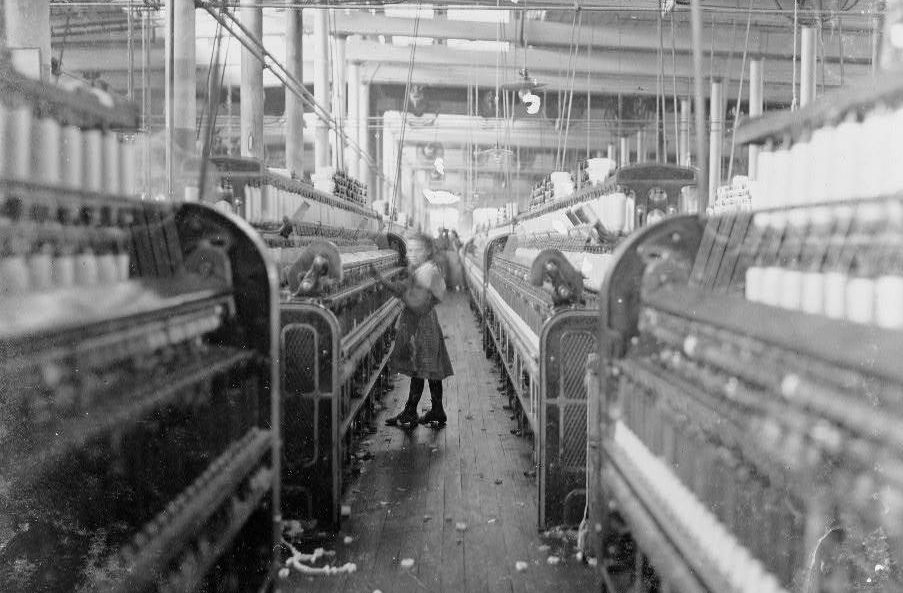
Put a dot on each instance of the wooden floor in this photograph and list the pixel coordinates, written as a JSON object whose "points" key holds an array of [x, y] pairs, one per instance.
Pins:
{"points": [[456, 501]]}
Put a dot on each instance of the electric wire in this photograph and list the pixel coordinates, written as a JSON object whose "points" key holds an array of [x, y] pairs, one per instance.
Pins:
{"points": [[562, 93], [821, 51], [573, 77], [795, 100], [548, 6], [269, 62], [674, 90], [737, 113], [840, 45], [210, 72], [404, 113], [338, 88], [213, 102]]}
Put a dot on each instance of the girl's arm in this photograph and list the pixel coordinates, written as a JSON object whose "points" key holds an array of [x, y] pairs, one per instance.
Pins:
{"points": [[396, 288], [419, 300]]}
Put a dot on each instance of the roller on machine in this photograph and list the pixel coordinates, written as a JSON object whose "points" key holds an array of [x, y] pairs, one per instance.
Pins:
{"points": [[529, 292], [139, 411], [337, 325], [534, 286], [745, 422]]}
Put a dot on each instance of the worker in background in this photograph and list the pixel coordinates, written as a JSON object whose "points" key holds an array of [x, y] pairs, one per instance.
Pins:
{"points": [[441, 248], [455, 277], [419, 350]]}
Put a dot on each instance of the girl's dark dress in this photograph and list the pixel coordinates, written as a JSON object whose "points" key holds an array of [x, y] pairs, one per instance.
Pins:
{"points": [[419, 344]]}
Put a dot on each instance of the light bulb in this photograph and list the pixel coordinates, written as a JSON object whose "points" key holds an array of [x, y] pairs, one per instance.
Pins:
{"points": [[532, 102]]}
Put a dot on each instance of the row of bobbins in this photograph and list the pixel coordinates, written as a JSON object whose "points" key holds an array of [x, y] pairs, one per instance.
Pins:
{"points": [[269, 204], [840, 262], [856, 158], [44, 151]]}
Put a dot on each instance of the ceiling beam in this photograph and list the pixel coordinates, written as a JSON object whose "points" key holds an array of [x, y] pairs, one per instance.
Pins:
{"points": [[627, 35], [627, 83], [537, 133], [433, 71], [554, 62]]}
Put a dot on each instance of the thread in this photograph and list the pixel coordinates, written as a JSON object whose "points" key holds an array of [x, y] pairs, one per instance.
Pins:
{"points": [[20, 122], [860, 300], [822, 151], [128, 177], [801, 191], [889, 302], [40, 265], [779, 187], [47, 151], [813, 293], [835, 294], [791, 290], [93, 160], [72, 158]]}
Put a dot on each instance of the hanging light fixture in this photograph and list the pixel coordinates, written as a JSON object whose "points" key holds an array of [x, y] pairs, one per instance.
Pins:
{"points": [[531, 100]]}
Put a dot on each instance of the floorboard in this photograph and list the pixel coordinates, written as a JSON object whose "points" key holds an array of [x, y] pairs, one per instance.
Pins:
{"points": [[456, 501]]}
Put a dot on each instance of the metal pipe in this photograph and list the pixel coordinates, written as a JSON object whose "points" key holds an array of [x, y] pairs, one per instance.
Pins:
{"points": [[363, 136], [131, 53], [321, 87], [235, 28], [146, 99], [352, 123], [362, 4], [294, 105], [338, 101], [251, 105], [807, 66], [696, 24], [181, 88], [168, 92], [683, 145], [715, 140], [28, 27], [640, 155], [755, 110]]}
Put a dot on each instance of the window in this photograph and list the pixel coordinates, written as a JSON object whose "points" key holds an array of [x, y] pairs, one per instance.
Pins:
{"points": [[403, 11], [406, 40], [479, 45], [478, 15]]}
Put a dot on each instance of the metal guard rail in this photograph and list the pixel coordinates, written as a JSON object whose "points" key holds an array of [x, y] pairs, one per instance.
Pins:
{"points": [[358, 343]]}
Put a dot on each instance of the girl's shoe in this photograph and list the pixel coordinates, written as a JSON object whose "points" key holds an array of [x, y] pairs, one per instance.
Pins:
{"points": [[407, 419], [434, 416]]}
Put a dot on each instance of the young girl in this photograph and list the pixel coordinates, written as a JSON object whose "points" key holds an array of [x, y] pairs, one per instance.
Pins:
{"points": [[419, 350]]}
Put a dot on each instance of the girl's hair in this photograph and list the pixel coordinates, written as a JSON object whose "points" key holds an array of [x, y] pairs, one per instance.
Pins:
{"points": [[425, 240]]}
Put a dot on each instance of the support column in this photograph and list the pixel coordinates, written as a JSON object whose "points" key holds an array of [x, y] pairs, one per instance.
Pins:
{"points": [[405, 187], [755, 110], [294, 106], [624, 156], [363, 139], [181, 95], [338, 102], [807, 66], [252, 88], [683, 144], [352, 156], [610, 152], [389, 158], [699, 99], [27, 27], [321, 87], [715, 133], [640, 155]]}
